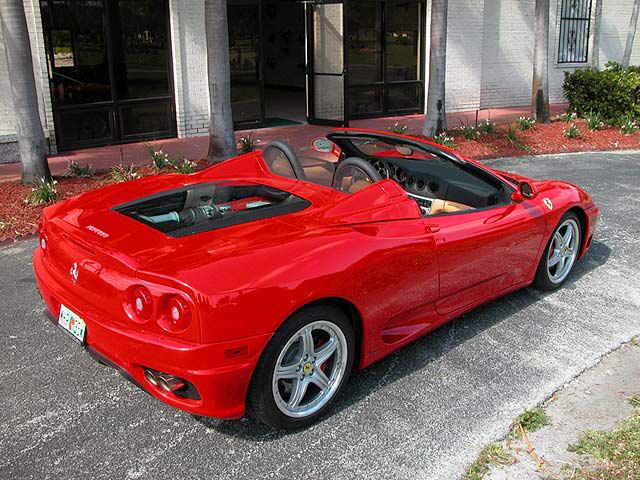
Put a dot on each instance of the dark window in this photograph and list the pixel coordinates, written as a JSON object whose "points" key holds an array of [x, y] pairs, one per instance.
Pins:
{"points": [[109, 70], [244, 61], [384, 55], [365, 42], [575, 22], [209, 206]]}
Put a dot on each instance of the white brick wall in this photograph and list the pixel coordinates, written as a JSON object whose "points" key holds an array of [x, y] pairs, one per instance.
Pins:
{"points": [[464, 54], [490, 50], [189, 49], [7, 122]]}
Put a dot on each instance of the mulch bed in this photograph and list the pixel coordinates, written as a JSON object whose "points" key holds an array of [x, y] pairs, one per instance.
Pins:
{"points": [[544, 139], [19, 219]]}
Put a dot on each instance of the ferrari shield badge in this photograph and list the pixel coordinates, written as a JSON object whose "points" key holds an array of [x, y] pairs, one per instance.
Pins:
{"points": [[547, 203]]}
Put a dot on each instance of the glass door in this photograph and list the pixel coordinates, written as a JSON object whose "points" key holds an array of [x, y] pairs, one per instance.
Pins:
{"points": [[109, 70], [326, 63], [385, 57], [245, 52]]}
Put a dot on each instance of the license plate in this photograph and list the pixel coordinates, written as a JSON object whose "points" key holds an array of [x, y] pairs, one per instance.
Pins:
{"points": [[72, 324]]}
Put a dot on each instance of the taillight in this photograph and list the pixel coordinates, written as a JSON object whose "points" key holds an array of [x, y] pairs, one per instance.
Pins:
{"points": [[141, 303], [177, 315]]}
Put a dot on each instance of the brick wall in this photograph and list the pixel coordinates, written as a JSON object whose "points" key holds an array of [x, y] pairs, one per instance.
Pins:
{"points": [[189, 49], [8, 149]]}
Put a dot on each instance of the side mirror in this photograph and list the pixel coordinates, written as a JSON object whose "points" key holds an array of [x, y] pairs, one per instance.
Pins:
{"points": [[525, 191]]}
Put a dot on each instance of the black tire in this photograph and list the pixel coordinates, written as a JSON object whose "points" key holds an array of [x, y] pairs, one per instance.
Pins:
{"points": [[260, 397], [542, 279]]}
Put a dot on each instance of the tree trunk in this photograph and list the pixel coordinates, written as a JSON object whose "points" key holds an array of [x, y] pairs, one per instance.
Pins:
{"points": [[222, 144], [540, 84], [595, 56], [626, 58], [17, 47], [436, 121]]}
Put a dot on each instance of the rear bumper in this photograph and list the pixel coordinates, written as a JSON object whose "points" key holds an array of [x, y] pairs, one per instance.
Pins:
{"points": [[218, 372]]}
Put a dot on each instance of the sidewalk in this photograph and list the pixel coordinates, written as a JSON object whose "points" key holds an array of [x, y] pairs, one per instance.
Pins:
{"points": [[298, 136], [596, 400]]}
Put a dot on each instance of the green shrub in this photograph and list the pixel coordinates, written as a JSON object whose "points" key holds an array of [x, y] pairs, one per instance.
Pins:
{"points": [[122, 172], [567, 117], [610, 93], [594, 121], [185, 166], [571, 132], [525, 123], [512, 135], [488, 127], [159, 159], [75, 170], [398, 128], [444, 140], [629, 127], [43, 191], [247, 143], [469, 132]]}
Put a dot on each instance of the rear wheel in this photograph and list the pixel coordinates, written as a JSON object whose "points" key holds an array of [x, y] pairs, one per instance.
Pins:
{"points": [[303, 368], [561, 254]]}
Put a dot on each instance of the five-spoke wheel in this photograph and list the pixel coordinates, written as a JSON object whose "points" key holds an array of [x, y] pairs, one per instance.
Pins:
{"points": [[560, 255], [303, 368]]}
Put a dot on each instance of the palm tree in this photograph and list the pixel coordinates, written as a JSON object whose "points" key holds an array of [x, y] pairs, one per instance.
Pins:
{"points": [[436, 121], [631, 35], [17, 47], [222, 144], [540, 84]]}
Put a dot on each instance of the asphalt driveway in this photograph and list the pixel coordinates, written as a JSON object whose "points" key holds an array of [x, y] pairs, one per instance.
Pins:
{"points": [[421, 413]]}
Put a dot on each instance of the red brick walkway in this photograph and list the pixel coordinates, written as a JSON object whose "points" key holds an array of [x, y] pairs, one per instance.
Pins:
{"points": [[298, 136]]}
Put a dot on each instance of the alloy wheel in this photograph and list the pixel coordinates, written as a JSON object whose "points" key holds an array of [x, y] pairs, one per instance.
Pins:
{"points": [[309, 369]]}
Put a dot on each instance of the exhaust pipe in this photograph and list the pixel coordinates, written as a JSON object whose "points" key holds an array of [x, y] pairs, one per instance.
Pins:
{"points": [[151, 377], [169, 383]]}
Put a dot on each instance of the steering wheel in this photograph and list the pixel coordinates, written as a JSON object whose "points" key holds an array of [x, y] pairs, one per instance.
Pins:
{"points": [[353, 174]]}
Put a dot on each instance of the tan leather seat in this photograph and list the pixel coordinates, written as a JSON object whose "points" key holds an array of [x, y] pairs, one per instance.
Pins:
{"points": [[446, 206], [349, 186]]}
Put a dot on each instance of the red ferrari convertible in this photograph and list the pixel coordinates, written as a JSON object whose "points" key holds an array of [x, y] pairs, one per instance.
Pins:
{"points": [[258, 284]]}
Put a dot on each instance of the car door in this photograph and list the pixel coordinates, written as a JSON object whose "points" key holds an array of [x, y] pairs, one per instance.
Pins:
{"points": [[482, 252]]}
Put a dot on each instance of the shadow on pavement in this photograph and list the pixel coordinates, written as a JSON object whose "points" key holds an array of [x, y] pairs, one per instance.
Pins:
{"points": [[419, 353]]}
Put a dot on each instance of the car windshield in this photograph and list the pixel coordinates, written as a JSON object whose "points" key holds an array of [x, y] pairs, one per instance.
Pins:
{"points": [[375, 147], [208, 206]]}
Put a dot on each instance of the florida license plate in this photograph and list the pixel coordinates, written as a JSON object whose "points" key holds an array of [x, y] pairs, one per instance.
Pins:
{"points": [[72, 324]]}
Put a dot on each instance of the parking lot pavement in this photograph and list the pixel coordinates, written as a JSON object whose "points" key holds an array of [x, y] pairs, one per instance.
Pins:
{"points": [[423, 412]]}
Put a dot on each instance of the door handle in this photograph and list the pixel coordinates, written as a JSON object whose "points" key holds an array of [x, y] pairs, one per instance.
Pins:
{"points": [[434, 228]]}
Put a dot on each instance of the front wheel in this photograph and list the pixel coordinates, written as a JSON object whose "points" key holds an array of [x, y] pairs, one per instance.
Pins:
{"points": [[560, 255], [303, 368]]}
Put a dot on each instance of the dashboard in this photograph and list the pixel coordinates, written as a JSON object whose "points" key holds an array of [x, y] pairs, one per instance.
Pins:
{"points": [[434, 182]]}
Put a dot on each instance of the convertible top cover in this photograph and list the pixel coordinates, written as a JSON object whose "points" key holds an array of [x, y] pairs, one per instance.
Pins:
{"points": [[209, 206]]}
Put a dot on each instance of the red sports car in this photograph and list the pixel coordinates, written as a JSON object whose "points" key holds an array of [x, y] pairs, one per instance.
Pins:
{"points": [[259, 283]]}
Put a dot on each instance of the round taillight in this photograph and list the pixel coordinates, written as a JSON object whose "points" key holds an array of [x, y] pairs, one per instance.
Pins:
{"points": [[178, 313], [141, 302]]}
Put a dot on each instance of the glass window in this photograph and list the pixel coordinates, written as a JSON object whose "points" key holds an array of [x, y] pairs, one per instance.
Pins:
{"points": [[405, 97], [365, 101], [146, 118], [85, 125], [403, 41], [365, 41], [140, 49], [79, 70], [243, 60], [575, 19], [209, 206]]}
